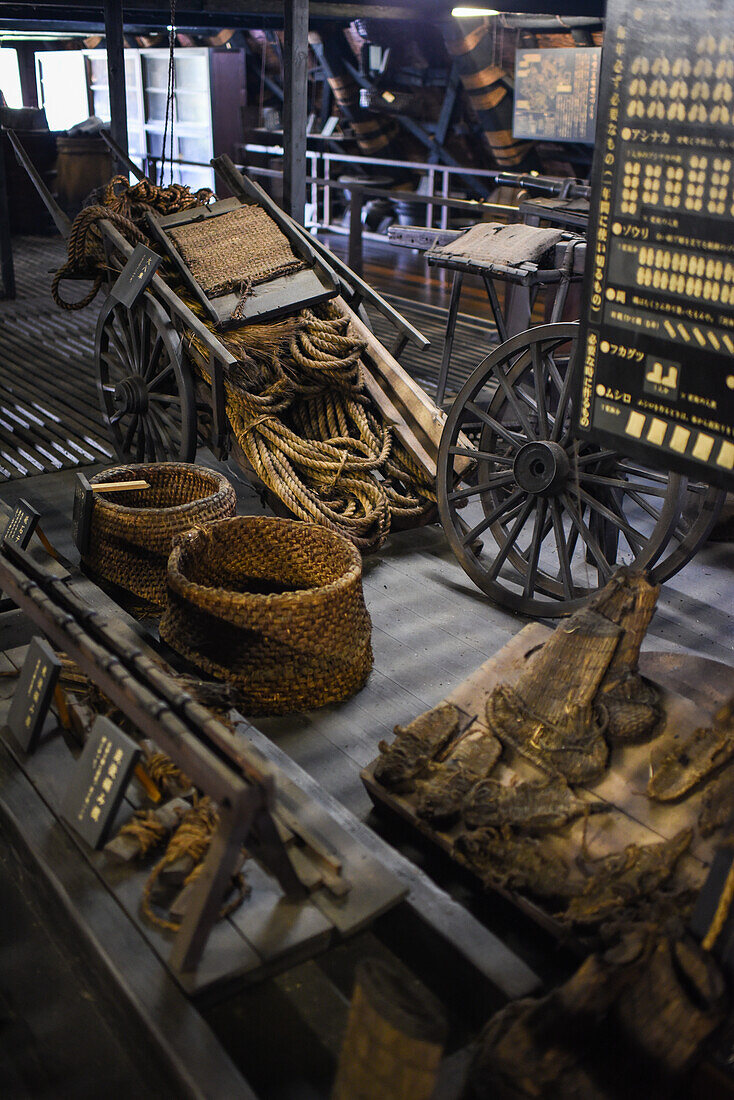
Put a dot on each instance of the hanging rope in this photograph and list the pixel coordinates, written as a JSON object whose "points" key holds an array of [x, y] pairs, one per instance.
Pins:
{"points": [[169, 93]]}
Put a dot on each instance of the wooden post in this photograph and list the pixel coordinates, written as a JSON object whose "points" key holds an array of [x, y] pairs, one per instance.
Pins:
{"points": [[7, 268], [295, 107], [355, 230], [27, 73], [115, 46]]}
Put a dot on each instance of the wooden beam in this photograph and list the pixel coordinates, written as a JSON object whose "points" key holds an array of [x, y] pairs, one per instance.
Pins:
{"points": [[295, 107], [115, 46], [27, 73], [7, 268]]}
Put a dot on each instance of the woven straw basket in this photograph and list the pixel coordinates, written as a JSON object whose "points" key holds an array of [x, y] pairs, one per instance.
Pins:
{"points": [[274, 606], [132, 532]]}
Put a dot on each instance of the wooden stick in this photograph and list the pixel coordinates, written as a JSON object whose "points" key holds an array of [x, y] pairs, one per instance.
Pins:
{"points": [[119, 486]]}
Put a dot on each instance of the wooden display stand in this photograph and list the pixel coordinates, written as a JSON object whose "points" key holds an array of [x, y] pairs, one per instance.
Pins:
{"points": [[634, 819]]}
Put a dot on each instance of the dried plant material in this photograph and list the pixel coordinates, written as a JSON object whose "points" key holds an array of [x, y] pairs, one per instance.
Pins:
{"points": [[532, 807], [522, 864], [415, 745], [632, 709], [717, 804], [675, 1004], [622, 878], [632, 704], [472, 758], [621, 1026], [684, 760], [548, 716]]}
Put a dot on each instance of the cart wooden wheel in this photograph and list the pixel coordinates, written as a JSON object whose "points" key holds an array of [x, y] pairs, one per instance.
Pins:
{"points": [[541, 519], [145, 385]]}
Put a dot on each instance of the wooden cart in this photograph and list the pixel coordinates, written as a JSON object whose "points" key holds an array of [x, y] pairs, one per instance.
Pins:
{"points": [[154, 402]]}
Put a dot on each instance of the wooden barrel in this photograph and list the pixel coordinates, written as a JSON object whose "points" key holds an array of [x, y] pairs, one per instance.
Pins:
{"points": [[83, 163]]}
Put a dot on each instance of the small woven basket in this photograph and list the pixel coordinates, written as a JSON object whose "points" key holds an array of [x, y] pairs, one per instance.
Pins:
{"points": [[274, 606], [132, 532]]}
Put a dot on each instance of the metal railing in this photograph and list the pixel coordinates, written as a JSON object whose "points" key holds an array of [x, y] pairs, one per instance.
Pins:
{"points": [[322, 185]]}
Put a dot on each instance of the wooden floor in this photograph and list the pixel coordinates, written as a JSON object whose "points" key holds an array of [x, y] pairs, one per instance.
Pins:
{"points": [[49, 415]]}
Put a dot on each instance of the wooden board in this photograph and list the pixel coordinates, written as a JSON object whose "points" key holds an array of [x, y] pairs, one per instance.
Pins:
{"points": [[636, 819]]}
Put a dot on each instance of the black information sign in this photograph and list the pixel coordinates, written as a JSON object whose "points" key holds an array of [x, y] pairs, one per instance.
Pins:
{"points": [[21, 524], [135, 275], [33, 694], [655, 363], [81, 516], [556, 93], [101, 776]]}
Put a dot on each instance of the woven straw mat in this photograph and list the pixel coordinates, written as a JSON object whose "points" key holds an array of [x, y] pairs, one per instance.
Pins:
{"points": [[234, 250]]}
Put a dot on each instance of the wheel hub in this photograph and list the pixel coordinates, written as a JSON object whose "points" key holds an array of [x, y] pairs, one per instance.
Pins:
{"points": [[541, 467], [131, 395]]}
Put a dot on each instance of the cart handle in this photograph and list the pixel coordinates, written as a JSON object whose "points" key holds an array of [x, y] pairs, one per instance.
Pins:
{"points": [[63, 223]]}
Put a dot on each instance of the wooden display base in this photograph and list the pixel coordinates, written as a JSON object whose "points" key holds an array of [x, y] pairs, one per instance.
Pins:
{"points": [[635, 818], [267, 933]]}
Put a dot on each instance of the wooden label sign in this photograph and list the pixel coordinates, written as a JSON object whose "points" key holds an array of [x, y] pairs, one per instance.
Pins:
{"points": [[100, 780], [33, 694], [21, 524], [81, 517], [136, 275], [655, 359]]}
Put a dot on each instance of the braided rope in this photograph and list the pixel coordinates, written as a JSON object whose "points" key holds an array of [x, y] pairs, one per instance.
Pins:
{"points": [[314, 439], [192, 838], [146, 829], [123, 205]]}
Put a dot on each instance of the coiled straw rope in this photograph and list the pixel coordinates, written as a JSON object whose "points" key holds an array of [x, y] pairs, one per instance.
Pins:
{"points": [[123, 205]]}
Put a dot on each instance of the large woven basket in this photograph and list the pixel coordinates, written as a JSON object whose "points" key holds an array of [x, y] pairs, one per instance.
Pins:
{"points": [[132, 532], [274, 606]]}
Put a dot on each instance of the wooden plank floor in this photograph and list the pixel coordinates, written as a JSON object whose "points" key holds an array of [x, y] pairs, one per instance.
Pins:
{"points": [[49, 413]]}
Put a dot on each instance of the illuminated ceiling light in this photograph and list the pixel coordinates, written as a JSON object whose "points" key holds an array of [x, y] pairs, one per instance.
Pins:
{"points": [[468, 13]]}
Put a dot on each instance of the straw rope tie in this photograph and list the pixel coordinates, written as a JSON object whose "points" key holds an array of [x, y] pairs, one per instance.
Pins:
{"points": [[192, 838]]}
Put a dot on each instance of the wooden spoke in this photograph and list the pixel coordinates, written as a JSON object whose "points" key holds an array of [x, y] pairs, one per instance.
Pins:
{"points": [[562, 550], [469, 537], [516, 441], [621, 483], [539, 382], [541, 507], [605, 569], [634, 538], [511, 538], [496, 482]]}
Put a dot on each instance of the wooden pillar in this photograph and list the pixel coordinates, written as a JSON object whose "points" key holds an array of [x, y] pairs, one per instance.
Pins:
{"points": [[27, 71], [7, 269], [295, 107], [115, 45]]}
